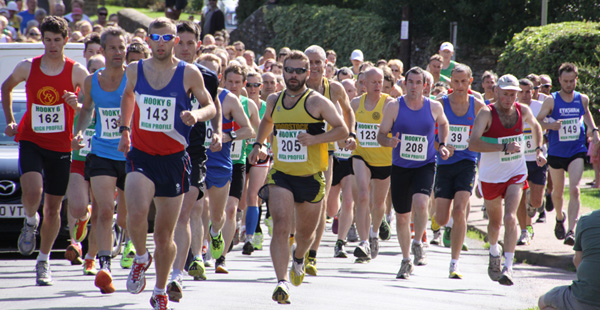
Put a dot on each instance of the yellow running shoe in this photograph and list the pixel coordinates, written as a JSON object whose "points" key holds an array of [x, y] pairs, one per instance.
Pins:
{"points": [[296, 273], [281, 294], [310, 265], [434, 225]]}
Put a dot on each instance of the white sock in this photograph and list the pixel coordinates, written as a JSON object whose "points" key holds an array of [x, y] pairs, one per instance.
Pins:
{"points": [[142, 258], [494, 249], [454, 261], [88, 256], [43, 257], [417, 241], [34, 220], [450, 222], [372, 234], [508, 259], [175, 274], [160, 291], [198, 257], [212, 233]]}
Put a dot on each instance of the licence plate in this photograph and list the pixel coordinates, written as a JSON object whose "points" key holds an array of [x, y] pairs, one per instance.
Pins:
{"points": [[12, 211]]}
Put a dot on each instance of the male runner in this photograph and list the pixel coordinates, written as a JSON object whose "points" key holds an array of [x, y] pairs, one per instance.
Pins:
{"points": [[412, 119], [296, 181], [157, 105], [447, 51], [371, 164], [456, 175], [335, 92], [44, 136], [435, 68], [488, 81], [567, 111], [498, 134], [269, 85], [189, 36], [102, 95]]}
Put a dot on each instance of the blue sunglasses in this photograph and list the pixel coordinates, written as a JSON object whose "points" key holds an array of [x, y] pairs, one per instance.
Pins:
{"points": [[165, 37]]}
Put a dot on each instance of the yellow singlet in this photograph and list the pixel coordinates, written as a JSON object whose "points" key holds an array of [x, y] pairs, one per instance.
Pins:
{"points": [[367, 126]]}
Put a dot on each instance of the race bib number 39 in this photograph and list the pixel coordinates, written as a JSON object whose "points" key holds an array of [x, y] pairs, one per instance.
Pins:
{"points": [[109, 119], [569, 130], [459, 134], [157, 113], [47, 119], [367, 134], [505, 158], [289, 148], [413, 147]]}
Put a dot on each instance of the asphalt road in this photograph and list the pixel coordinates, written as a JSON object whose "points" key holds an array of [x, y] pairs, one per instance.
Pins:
{"points": [[341, 284]]}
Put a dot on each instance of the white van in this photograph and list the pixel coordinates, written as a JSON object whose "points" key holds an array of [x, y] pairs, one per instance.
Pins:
{"points": [[12, 53]]}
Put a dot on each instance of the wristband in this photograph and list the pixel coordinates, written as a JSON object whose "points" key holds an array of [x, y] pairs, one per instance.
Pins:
{"points": [[123, 128], [353, 135], [595, 129], [539, 148], [257, 143]]}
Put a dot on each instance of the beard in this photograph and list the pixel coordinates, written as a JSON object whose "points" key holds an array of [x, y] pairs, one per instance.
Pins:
{"points": [[295, 87]]}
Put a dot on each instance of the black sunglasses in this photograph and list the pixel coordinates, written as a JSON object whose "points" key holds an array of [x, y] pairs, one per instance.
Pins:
{"points": [[253, 84], [102, 14], [297, 70]]}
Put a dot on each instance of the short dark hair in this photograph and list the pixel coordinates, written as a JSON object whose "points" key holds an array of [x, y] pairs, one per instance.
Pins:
{"points": [[237, 69], [567, 67], [296, 55], [55, 24], [102, 9], [418, 71], [437, 57], [137, 48], [462, 68], [110, 31], [92, 38], [189, 26], [161, 22], [489, 74], [526, 82]]}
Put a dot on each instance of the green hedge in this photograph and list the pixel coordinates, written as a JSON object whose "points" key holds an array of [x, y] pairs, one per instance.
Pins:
{"points": [[343, 30], [543, 49]]}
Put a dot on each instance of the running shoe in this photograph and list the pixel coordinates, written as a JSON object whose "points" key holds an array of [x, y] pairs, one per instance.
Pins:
{"points": [[454, 272], [559, 229], [446, 237], [465, 247], [328, 219], [374, 244], [43, 275], [104, 281], [570, 238], [296, 272], [385, 232], [128, 255], [494, 271], [310, 265], [352, 234], [269, 223], [257, 241], [524, 238], [419, 254], [362, 250], [136, 281], [506, 277], [339, 250], [335, 225], [549, 203], [236, 236], [159, 302], [531, 211], [27, 239], [80, 229], [434, 225], [217, 244], [220, 266], [89, 267], [197, 269], [248, 248], [424, 239], [175, 290], [406, 269], [206, 257], [542, 217], [281, 294], [530, 231], [437, 237], [73, 254]]}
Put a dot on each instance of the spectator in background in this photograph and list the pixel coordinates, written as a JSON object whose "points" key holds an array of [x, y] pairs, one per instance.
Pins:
{"points": [[40, 14], [97, 28], [114, 18], [357, 59], [213, 18], [331, 56], [283, 53], [34, 35], [102, 14], [30, 24], [141, 33], [75, 37], [84, 27], [14, 20], [76, 13], [5, 35], [240, 48], [173, 8], [58, 9], [27, 15], [208, 39], [8, 29], [219, 41]]}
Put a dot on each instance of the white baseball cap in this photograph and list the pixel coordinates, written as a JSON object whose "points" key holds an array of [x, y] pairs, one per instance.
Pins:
{"points": [[357, 55], [509, 82], [447, 46], [12, 6]]}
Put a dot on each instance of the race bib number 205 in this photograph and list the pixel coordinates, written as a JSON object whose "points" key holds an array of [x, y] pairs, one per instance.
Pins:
{"points": [[289, 148]]}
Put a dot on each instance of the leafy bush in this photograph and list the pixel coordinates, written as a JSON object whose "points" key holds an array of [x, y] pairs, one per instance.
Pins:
{"points": [[245, 8], [543, 49], [343, 30]]}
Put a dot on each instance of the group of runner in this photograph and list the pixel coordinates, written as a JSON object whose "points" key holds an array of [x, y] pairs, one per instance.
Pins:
{"points": [[202, 135]]}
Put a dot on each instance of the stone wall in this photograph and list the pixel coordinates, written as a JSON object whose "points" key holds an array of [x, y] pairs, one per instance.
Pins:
{"points": [[254, 32], [130, 20]]}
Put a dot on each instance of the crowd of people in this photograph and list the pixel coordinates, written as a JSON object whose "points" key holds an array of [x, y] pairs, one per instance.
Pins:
{"points": [[216, 139]]}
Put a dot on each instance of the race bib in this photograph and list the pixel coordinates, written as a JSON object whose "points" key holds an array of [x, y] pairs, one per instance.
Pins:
{"points": [[569, 130], [528, 145], [288, 146], [506, 158], [459, 134], [195, 104], [47, 119], [413, 147], [236, 149], [209, 134], [340, 152], [367, 134], [87, 139], [109, 119], [157, 113]]}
